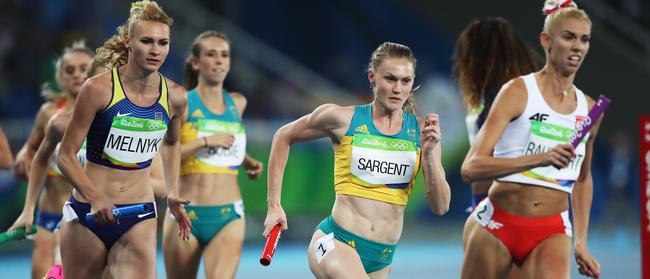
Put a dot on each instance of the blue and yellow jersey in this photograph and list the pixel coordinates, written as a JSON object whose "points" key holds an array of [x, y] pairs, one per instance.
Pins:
{"points": [[375, 166], [201, 122], [124, 135]]}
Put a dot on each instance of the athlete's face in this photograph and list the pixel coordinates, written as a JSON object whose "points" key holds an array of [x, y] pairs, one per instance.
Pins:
{"points": [[73, 71], [392, 82], [567, 45], [214, 60], [149, 44]]}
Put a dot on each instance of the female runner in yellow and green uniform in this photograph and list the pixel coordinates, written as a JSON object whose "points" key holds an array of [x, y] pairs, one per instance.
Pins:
{"points": [[378, 151], [213, 146]]}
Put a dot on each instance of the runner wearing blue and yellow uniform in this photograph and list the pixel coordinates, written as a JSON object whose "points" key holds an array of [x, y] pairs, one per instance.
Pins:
{"points": [[378, 150], [126, 115], [213, 146], [49, 148]]}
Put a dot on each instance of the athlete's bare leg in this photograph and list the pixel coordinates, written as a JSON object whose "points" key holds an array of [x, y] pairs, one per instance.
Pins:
{"points": [[181, 257], [485, 255], [221, 256], [134, 254], [551, 258], [341, 262], [82, 253]]}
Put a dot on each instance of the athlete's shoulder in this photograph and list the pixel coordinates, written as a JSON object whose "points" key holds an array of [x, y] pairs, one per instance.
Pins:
{"points": [[48, 108], [514, 87], [512, 99], [513, 92], [177, 95], [100, 82], [333, 113], [335, 109], [174, 88], [45, 112], [97, 90], [239, 99], [57, 125], [237, 95]]}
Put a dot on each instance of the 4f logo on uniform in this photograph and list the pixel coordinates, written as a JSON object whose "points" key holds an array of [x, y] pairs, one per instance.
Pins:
{"points": [[541, 117], [493, 225]]}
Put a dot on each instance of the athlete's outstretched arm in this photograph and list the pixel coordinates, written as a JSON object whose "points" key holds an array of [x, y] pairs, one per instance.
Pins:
{"points": [[6, 158], [37, 175], [171, 154], [581, 198], [437, 191], [325, 121], [94, 96], [508, 105]]}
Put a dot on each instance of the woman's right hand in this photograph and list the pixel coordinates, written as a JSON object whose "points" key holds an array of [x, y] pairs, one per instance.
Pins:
{"points": [[25, 220], [220, 140], [560, 156], [274, 215], [102, 211]]}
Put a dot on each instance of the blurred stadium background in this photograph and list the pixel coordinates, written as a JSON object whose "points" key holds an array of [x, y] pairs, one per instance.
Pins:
{"points": [[290, 56]]}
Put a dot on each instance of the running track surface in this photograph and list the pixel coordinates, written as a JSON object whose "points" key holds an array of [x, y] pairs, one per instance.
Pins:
{"points": [[617, 250]]}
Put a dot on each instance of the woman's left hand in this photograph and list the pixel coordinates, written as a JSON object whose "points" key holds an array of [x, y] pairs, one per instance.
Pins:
{"points": [[431, 135], [177, 208], [587, 263]]}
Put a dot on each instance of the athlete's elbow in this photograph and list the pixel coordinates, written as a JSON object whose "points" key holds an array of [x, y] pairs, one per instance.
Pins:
{"points": [[468, 172], [439, 206], [440, 209], [62, 161], [282, 135]]}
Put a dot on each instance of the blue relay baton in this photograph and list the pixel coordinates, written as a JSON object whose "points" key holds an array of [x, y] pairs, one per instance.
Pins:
{"points": [[124, 212]]}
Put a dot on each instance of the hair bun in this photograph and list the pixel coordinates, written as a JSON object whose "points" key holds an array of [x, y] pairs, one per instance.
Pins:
{"points": [[550, 6], [136, 6]]}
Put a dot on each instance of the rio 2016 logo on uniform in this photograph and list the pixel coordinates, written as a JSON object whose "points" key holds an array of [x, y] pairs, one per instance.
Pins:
{"points": [[398, 145]]}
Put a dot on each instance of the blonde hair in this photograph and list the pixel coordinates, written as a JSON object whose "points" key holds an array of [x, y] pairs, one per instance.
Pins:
{"points": [[556, 14], [114, 51], [191, 79], [394, 50], [47, 89]]}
